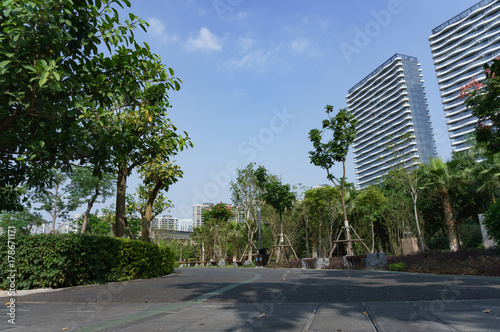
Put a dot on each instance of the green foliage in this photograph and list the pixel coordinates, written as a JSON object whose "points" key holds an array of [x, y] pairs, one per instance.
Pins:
{"points": [[69, 260], [343, 126], [95, 225], [492, 222], [485, 103], [23, 221], [54, 77], [397, 266]]}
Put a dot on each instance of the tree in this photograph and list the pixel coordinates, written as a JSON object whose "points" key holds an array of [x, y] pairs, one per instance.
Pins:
{"points": [[90, 188], [397, 216], [246, 194], [277, 195], [157, 175], [95, 225], [147, 136], [216, 220], [24, 221], [57, 198], [325, 155], [484, 99], [438, 176], [58, 87], [412, 175], [324, 209], [372, 203], [492, 222]]}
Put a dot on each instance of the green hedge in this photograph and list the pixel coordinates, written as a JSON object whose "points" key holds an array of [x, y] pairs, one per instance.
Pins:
{"points": [[63, 260]]}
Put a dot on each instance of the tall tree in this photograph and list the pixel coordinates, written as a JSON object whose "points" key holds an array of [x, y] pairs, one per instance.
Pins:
{"points": [[277, 195], [372, 203], [246, 194], [58, 86], [411, 172], [57, 198], [216, 219], [157, 176], [438, 176], [325, 155], [90, 188]]}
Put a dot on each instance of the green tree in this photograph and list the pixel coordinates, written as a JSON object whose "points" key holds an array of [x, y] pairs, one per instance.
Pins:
{"points": [[216, 220], [277, 195], [57, 198], [439, 176], [89, 188], [24, 221], [325, 155], [157, 176], [246, 194], [324, 210], [484, 99], [58, 86], [411, 172], [95, 225], [492, 222], [371, 202]]}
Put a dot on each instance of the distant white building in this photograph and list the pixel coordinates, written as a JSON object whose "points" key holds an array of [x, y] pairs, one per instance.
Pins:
{"points": [[66, 228], [42, 229], [165, 222], [321, 186], [198, 211], [186, 225]]}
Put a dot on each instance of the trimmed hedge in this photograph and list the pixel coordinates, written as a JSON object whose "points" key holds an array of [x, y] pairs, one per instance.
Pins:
{"points": [[63, 260]]}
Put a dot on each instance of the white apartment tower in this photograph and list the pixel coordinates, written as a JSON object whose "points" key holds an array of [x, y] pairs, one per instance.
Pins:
{"points": [[460, 47], [389, 103], [165, 222], [197, 213]]}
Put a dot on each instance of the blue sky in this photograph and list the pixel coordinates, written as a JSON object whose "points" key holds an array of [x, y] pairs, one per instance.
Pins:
{"points": [[257, 75]]}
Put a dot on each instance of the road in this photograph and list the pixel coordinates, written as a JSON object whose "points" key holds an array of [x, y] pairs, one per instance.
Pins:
{"points": [[247, 299]]}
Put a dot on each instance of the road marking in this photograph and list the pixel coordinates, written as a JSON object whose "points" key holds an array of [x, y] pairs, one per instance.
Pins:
{"points": [[160, 310]]}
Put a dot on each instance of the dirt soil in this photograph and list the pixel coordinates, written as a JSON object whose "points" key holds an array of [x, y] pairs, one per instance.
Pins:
{"points": [[478, 262]]}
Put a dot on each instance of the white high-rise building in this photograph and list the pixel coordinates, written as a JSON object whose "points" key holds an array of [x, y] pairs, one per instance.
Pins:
{"points": [[388, 103], [197, 213], [460, 47], [186, 225], [165, 222]]}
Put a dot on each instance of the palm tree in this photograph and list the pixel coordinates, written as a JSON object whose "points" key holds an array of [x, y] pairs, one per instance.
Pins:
{"points": [[438, 177]]}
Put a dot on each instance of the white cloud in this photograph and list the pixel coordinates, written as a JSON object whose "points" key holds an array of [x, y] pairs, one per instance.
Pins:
{"points": [[255, 60], [245, 44], [300, 45], [205, 40], [157, 29]]}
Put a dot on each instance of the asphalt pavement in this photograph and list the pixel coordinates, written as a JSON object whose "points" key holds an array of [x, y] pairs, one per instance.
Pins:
{"points": [[246, 299]]}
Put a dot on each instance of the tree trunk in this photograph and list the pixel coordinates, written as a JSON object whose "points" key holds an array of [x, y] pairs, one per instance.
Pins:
{"points": [[121, 191], [449, 219], [89, 207], [307, 238], [148, 214], [314, 244], [346, 223], [250, 252], [422, 246]]}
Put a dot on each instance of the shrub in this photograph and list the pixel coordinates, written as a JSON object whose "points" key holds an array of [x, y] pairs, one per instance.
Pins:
{"points": [[63, 260], [492, 222], [397, 266]]}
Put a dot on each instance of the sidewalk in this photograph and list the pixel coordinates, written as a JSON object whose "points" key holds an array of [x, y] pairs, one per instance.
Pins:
{"points": [[462, 315]]}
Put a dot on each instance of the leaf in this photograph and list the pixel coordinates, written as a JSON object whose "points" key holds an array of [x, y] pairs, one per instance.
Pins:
{"points": [[4, 63], [43, 78]]}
